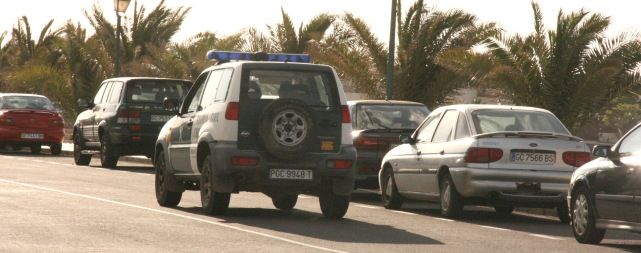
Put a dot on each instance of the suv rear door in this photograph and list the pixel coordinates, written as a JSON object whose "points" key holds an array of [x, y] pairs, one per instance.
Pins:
{"points": [[181, 133], [315, 86]]}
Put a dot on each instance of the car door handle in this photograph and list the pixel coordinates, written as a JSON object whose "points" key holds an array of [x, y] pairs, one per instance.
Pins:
{"points": [[190, 123], [442, 152], [418, 153]]}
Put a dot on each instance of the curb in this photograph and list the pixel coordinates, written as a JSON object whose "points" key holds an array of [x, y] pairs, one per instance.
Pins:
{"points": [[135, 159]]}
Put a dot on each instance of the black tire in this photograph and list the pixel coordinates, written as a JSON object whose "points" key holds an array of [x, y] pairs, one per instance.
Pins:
{"points": [[504, 209], [35, 149], [299, 123], [285, 202], [108, 156], [389, 193], [78, 157], [56, 148], [332, 205], [583, 220], [563, 213], [451, 202], [165, 196], [213, 202]]}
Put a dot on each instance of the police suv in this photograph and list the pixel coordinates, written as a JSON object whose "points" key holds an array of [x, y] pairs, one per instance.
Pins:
{"points": [[258, 122]]}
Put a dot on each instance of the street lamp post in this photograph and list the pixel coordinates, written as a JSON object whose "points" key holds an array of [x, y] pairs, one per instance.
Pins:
{"points": [[120, 6], [392, 46]]}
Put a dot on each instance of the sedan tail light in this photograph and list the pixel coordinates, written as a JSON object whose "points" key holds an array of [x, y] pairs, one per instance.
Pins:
{"points": [[483, 155], [576, 159]]}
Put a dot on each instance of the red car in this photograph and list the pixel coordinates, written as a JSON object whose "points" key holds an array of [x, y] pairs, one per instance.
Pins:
{"points": [[28, 120]]}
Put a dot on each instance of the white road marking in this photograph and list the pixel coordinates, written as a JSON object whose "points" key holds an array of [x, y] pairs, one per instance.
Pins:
{"points": [[547, 237], [495, 228], [173, 214], [443, 219], [368, 206], [402, 212]]}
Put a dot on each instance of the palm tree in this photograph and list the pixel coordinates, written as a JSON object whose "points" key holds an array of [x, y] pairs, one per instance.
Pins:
{"points": [[188, 59], [146, 33], [24, 48], [425, 71], [283, 37], [573, 71]]}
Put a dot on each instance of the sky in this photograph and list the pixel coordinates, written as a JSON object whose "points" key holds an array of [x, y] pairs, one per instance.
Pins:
{"points": [[230, 16]]}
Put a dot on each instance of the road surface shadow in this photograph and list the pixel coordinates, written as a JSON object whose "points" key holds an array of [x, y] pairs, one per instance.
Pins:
{"points": [[310, 224], [133, 169], [624, 247], [485, 216]]}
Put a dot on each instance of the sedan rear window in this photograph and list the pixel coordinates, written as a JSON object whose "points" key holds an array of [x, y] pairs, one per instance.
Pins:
{"points": [[487, 121], [389, 116], [25, 102], [155, 91]]}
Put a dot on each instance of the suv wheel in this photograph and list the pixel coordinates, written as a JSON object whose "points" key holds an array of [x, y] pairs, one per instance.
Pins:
{"points": [[389, 193], [584, 219], [332, 205], [164, 195], [213, 202], [107, 157], [78, 157], [56, 148], [286, 126], [451, 201], [35, 149], [563, 213], [285, 202]]}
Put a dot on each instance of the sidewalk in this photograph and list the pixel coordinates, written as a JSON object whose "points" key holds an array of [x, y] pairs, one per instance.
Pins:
{"points": [[67, 150]]}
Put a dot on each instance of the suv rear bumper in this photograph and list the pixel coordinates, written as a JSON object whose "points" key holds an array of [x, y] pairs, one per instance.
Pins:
{"points": [[229, 178], [133, 143]]}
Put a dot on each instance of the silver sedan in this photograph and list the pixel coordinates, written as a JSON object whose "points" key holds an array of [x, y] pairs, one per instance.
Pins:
{"points": [[501, 156]]}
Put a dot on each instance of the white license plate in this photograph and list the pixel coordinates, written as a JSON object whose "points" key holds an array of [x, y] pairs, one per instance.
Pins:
{"points": [[533, 158], [291, 174], [32, 136], [160, 118]]}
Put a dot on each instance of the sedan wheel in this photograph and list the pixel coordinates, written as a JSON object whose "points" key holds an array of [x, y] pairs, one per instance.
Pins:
{"points": [[451, 201], [583, 219], [389, 193]]}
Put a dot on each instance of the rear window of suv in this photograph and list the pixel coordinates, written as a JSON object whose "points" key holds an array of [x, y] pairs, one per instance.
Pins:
{"points": [[312, 87], [155, 91]]}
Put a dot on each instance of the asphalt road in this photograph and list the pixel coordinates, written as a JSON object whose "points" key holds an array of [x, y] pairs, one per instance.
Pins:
{"points": [[47, 204]]}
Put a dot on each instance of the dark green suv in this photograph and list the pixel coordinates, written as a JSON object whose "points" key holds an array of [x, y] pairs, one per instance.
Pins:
{"points": [[124, 118]]}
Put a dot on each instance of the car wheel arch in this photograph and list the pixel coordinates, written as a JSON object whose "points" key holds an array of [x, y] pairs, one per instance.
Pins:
{"points": [[201, 152], [442, 171]]}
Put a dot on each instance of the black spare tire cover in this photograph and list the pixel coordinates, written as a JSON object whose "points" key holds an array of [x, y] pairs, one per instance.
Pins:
{"points": [[286, 127]]}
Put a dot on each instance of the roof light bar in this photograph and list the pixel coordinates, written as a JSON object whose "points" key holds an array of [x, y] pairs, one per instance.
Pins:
{"points": [[224, 56]]}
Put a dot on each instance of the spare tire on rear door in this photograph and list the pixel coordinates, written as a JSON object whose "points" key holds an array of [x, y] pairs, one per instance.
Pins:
{"points": [[286, 127]]}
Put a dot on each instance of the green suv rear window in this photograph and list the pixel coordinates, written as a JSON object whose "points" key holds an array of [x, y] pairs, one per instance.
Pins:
{"points": [[155, 91]]}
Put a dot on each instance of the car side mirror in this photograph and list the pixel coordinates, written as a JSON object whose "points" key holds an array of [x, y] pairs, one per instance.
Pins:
{"points": [[602, 151], [84, 103], [170, 104], [405, 139]]}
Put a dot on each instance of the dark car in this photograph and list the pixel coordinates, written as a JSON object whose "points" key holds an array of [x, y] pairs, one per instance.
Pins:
{"points": [[28, 120], [376, 127], [124, 118], [604, 193]]}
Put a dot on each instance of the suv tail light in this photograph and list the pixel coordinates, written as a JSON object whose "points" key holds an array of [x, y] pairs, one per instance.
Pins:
{"points": [[483, 155], [244, 161], [576, 159], [232, 111], [345, 111], [128, 117], [340, 164]]}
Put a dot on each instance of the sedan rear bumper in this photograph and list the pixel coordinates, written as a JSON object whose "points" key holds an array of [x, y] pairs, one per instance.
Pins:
{"points": [[503, 185], [14, 135]]}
